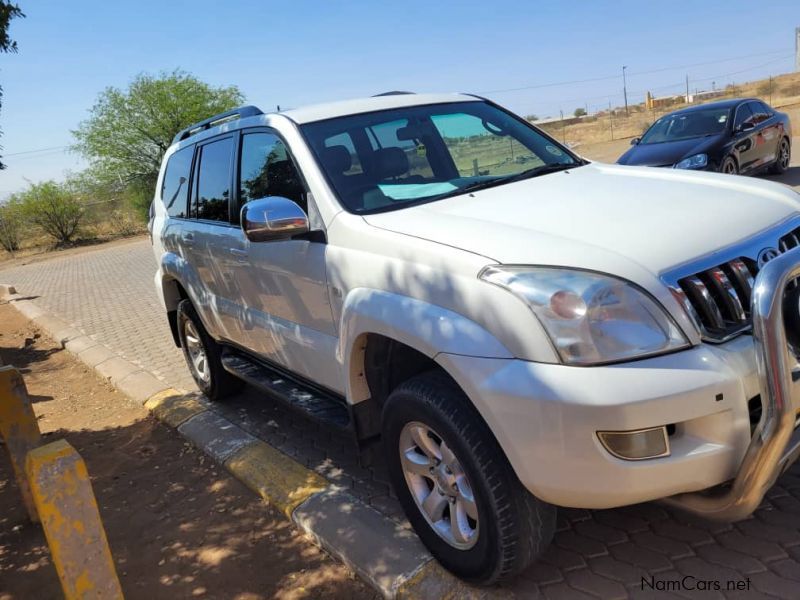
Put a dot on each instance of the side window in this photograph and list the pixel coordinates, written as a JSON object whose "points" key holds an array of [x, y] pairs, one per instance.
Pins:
{"points": [[213, 181], [743, 115], [764, 110], [175, 186], [266, 169]]}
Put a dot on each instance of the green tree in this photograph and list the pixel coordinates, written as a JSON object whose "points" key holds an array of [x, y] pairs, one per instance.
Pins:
{"points": [[8, 11], [54, 208], [128, 131], [10, 224], [580, 112]]}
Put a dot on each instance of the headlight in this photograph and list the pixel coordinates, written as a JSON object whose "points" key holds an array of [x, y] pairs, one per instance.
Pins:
{"points": [[698, 161], [591, 318]]}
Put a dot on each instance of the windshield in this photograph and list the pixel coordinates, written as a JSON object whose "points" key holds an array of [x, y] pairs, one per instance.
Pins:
{"points": [[682, 126], [389, 159]]}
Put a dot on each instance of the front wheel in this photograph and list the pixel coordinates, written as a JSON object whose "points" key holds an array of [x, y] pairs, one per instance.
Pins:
{"points": [[729, 166], [456, 486]]}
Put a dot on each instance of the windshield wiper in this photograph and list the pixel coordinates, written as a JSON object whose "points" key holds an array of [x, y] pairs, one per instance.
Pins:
{"points": [[540, 170]]}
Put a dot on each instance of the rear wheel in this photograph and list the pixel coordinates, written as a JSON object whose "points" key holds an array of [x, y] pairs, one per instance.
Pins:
{"points": [[729, 166], [783, 159], [456, 485], [203, 356]]}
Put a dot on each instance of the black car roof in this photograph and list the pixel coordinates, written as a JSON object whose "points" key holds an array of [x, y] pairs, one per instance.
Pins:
{"points": [[733, 102]]}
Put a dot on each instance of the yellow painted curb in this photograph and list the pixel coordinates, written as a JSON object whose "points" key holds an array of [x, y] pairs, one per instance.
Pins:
{"points": [[173, 407], [68, 511], [434, 581], [19, 429], [280, 480]]}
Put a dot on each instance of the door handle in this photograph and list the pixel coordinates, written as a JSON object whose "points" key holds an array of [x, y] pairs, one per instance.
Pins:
{"points": [[238, 253], [187, 238]]}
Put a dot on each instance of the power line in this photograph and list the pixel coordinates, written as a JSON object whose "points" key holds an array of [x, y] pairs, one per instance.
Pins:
{"points": [[616, 77], [35, 151]]}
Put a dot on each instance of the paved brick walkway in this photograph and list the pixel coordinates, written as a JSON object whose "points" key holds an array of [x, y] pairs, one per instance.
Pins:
{"points": [[108, 294]]}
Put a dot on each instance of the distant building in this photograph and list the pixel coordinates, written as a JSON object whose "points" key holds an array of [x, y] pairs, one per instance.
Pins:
{"points": [[699, 96]]}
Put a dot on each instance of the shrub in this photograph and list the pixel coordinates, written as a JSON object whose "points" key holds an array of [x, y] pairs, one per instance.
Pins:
{"points": [[10, 225], [53, 208], [580, 112]]}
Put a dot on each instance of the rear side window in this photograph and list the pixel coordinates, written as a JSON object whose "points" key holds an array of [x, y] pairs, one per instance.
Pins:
{"points": [[175, 187], [214, 181]]}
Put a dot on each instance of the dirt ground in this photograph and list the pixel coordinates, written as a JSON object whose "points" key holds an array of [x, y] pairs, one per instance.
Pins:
{"points": [[177, 524]]}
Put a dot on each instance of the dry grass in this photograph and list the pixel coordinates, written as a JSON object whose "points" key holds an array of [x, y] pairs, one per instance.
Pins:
{"points": [[782, 93]]}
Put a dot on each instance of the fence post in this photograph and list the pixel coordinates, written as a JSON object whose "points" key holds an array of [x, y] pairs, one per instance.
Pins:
{"points": [[19, 429], [63, 495]]}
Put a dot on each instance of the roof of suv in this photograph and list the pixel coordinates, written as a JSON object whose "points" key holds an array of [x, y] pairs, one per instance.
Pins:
{"points": [[320, 112]]}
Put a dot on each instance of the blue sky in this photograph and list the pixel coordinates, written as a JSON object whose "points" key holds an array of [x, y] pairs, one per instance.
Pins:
{"points": [[298, 52]]}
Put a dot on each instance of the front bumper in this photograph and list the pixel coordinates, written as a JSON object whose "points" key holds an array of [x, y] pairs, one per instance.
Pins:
{"points": [[546, 417]]}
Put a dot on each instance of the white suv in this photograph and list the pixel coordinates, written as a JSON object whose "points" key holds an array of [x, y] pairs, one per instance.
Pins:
{"points": [[520, 328]]}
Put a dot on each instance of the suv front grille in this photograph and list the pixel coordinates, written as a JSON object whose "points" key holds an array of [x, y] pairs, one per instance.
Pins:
{"points": [[719, 297]]}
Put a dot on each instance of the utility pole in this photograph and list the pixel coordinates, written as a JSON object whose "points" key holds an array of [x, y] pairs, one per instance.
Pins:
{"points": [[563, 128], [625, 89], [687, 88], [611, 119], [797, 49]]}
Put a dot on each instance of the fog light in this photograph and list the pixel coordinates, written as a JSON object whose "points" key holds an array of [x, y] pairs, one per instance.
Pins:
{"points": [[636, 445]]}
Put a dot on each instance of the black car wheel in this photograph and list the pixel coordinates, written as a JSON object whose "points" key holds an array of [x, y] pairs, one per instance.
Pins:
{"points": [[783, 159], [729, 166], [203, 356], [456, 486]]}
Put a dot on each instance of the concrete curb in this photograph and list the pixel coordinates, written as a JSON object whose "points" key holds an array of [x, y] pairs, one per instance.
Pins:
{"points": [[387, 556]]}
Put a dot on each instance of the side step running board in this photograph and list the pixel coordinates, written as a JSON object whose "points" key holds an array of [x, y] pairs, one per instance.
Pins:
{"points": [[317, 405]]}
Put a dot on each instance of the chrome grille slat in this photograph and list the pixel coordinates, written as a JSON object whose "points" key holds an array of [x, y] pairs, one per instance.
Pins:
{"points": [[728, 295], [704, 303], [709, 301]]}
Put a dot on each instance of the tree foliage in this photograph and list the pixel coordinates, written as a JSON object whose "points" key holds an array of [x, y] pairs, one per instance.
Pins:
{"points": [[580, 112], [10, 224], [128, 131], [54, 207], [8, 11]]}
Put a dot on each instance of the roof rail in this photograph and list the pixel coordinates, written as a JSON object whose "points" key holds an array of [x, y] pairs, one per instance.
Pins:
{"points": [[230, 115], [394, 93]]}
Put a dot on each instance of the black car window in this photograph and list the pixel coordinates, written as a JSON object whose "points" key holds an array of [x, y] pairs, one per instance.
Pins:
{"points": [[266, 169], [175, 186], [743, 115], [213, 181], [764, 109]]}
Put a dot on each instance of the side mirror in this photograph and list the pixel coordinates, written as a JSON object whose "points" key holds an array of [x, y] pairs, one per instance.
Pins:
{"points": [[272, 218], [746, 126], [635, 141]]}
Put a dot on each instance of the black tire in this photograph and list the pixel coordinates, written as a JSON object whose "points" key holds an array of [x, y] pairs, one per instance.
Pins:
{"points": [[729, 166], [781, 164], [513, 526], [218, 383]]}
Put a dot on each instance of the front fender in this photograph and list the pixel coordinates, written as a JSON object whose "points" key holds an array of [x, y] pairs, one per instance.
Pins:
{"points": [[425, 327]]}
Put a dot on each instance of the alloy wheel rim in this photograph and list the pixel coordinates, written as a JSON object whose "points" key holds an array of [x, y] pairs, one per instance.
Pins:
{"points": [[785, 154], [439, 485], [730, 167], [197, 353]]}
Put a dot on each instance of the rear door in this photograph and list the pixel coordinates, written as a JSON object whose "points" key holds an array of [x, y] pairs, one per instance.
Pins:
{"points": [[212, 240], [769, 132]]}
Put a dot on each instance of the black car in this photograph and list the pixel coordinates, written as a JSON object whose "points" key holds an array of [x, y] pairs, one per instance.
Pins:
{"points": [[732, 136]]}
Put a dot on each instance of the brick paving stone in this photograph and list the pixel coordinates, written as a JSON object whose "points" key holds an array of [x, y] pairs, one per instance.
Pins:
{"points": [[590, 583], [108, 295], [775, 585]]}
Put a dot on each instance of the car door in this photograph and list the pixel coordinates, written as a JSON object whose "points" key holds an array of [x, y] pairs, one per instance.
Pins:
{"points": [[744, 135], [769, 133], [282, 284], [213, 240]]}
